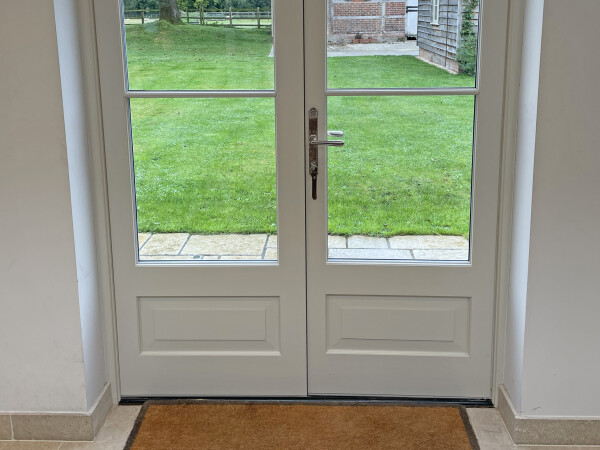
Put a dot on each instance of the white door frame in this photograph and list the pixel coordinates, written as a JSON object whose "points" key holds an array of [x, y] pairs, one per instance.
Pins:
{"points": [[89, 45]]}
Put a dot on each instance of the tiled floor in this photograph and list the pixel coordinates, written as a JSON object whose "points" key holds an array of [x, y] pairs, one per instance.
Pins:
{"points": [[263, 247], [488, 426]]}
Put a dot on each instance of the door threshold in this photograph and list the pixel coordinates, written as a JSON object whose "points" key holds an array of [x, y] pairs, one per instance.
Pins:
{"points": [[470, 402]]}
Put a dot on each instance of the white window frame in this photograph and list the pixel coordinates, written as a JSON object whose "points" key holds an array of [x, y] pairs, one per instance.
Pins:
{"points": [[435, 12]]}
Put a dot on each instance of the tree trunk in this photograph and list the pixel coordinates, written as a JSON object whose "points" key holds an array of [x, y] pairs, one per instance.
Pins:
{"points": [[169, 11]]}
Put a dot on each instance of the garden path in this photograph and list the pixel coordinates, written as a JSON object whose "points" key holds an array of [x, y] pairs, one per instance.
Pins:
{"points": [[406, 48], [252, 247]]}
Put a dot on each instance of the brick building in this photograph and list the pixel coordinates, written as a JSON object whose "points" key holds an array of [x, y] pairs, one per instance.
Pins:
{"points": [[382, 20]]}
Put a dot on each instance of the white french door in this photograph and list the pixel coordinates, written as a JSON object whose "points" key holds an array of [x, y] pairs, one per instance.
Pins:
{"points": [[189, 327], [395, 324], [338, 299]]}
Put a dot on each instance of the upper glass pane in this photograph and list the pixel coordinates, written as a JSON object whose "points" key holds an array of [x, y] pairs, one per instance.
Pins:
{"points": [[401, 44], [205, 49]]}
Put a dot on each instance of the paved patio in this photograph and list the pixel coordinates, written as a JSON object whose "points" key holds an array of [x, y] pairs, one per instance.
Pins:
{"points": [[263, 247], [406, 48]]}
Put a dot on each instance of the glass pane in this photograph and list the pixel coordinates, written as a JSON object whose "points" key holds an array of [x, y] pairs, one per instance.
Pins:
{"points": [[399, 44], [205, 178], [202, 53], [400, 189]]}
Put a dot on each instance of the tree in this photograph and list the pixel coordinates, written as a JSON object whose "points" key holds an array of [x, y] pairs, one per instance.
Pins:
{"points": [[192, 4], [169, 11], [140, 4]]}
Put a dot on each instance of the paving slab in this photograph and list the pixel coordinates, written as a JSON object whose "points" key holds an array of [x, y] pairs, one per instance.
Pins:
{"points": [[429, 242], [271, 254], [142, 238], [407, 48], [369, 253], [164, 244], [366, 242], [336, 241], [237, 258], [442, 255], [272, 242], [170, 258], [225, 244]]}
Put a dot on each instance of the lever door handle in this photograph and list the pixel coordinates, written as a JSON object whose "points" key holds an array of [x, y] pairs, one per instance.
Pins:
{"points": [[333, 143], [313, 147]]}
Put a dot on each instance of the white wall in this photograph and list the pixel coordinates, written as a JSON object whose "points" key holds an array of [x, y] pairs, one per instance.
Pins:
{"points": [[42, 276], [561, 370], [561, 341]]}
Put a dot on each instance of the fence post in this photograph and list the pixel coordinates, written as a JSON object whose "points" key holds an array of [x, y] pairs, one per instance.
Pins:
{"points": [[142, 17], [258, 16], [230, 17], [187, 13], [201, 16]]}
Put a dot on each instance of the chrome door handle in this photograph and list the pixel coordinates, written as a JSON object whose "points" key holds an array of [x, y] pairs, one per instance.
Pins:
{"points": [[313, 147], [332, 143]]}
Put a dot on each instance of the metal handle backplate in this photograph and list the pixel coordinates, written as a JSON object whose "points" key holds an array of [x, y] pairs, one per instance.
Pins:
{"points": [[313, 147]]}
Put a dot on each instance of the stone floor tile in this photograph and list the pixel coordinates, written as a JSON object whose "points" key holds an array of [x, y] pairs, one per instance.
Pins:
{"points": [[272, 242], [271, 254], [113, 434], [358, 241], [442, 255], [429, 242], [489, 429], [336, 241], [225, 244], [368, 253], [142, 238], [5, 427], [555, 447], [29, 445], [164, 244]]}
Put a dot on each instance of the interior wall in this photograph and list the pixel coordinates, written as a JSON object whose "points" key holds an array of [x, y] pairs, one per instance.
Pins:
{"points": [[562, 334], [41, 349], [551, 360], [73, 97]]}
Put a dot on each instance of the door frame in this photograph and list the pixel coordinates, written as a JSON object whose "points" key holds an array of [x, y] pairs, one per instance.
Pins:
{"points": [[99, 184]]}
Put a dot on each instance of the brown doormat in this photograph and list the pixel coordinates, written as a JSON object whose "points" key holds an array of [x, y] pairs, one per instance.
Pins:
{"points": [[299, 425]]}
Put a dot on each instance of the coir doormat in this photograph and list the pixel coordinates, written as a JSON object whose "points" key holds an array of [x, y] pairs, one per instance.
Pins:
{"points": [[187, 424]]}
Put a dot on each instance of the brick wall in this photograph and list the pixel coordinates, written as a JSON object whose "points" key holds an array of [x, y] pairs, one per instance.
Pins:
{"points": [[384, 20]]}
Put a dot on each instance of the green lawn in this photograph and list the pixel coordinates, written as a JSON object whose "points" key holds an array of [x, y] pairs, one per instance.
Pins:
{"points": [[208, 165]]}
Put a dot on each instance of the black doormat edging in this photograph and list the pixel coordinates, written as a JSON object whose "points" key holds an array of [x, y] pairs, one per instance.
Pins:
{"points": [[469, 402]]}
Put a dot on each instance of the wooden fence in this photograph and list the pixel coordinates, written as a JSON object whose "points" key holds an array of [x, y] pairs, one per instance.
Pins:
{"points": [[224, 17]]}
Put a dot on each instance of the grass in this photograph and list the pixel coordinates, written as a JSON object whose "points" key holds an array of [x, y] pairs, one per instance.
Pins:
{"points": [[208, 165]]}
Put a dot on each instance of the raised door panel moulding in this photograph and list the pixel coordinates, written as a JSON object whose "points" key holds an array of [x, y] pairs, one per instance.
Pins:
{"points": [[209, 325], [398, 325]]}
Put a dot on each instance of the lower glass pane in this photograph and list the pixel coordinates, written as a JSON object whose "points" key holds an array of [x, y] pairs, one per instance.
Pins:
{"points": [[400, 189], [205, 179]]}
